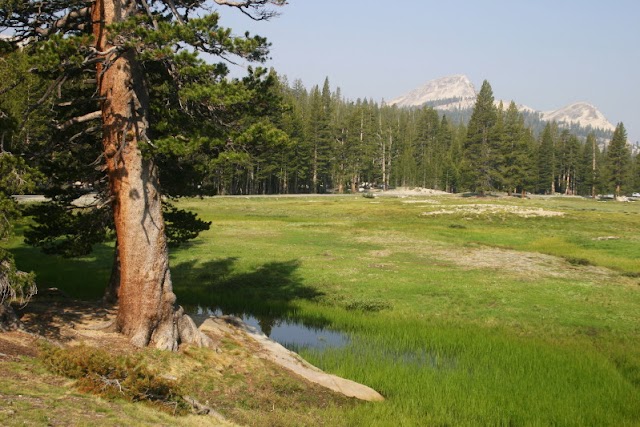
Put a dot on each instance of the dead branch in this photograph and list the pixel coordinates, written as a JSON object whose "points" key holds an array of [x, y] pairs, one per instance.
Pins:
{"points": [[107, 382], [173, 9], [202, 409], [80, 101], [149, 14], [80, 119], [256, 5], [64, 23], [88, 131]]}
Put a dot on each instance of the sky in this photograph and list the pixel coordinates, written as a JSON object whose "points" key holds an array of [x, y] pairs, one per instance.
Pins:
{"points": [[543, 54]]}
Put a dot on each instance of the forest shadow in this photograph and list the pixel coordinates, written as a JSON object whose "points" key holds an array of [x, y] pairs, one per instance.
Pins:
{"points": [[266, 293]]}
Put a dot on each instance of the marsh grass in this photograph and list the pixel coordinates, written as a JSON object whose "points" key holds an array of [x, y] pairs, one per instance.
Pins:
{"points": [[459, 319]]}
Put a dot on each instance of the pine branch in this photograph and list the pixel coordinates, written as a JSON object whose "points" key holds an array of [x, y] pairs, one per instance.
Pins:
{"points": [[80, 119], [173, 9], [12, 85], [256, 5], [65, 22]]}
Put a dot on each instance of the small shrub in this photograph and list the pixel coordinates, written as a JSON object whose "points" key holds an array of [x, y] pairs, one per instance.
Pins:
{"points": [[368, 195], [101, 373], [457, 226], [577, 261], [632, 274], [368, 305]]}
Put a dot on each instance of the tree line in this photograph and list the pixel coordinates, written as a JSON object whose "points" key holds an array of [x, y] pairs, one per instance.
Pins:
{"points": [[339, 145]]}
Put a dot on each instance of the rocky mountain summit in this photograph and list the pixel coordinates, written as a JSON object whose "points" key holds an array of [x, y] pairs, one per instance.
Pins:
{"points": [[457, 93], [446, 91], [581, 113]]}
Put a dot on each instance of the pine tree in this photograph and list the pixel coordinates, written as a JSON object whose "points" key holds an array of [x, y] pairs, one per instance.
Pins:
{"points": [[635, 181], [546, 166], [425, 146], [589, 167], [567, 152], [618, 160], [452, 157], [140, 54], [479, 146], [514, 151], [16, 177]]}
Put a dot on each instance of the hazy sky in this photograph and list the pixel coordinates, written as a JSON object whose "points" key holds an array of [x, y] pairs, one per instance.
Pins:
{"points": [[544, 54]]}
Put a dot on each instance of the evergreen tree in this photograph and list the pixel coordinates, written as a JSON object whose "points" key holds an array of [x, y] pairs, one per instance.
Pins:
{"points": [[546, 169], [425, 146], [479, 155], [497, 149], [514, 151], [15, 178], [530, 166], [298, 132], [589, 167], [635, 180], [567, 161], [141, 54], [618, 160], [406, 167], [450, 177], [15, 285]]}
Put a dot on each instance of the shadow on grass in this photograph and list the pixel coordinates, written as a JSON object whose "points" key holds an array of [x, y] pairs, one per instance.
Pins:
{"points": [[267, 293], [83, 278]]}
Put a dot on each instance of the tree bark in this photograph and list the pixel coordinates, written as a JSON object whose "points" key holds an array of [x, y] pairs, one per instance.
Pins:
{"points": [[113, 288], [146, 313]]}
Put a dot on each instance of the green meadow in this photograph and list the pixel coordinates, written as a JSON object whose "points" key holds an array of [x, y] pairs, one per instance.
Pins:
{"points": [[460, 311]]}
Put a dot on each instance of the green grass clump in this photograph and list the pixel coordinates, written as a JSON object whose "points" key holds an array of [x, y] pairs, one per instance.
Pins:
{"points": [[371, 305]]}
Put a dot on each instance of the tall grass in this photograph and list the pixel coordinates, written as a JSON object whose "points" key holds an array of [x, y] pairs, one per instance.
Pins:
{"points": [[440, 373]]}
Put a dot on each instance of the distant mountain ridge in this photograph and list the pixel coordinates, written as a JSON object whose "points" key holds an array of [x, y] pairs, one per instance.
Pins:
{"points": [[581, 113], [457, 91], [456, 94]]}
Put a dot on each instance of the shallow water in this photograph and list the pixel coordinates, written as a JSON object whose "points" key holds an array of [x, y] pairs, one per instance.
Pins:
{"points": [[290, 334]]}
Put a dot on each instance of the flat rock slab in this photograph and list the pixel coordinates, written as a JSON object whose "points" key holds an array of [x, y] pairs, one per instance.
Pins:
{"points": [[276, 353]]}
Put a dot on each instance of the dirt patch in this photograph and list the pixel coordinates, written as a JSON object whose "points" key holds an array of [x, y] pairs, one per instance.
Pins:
{"points": [[415, 191], [520, 264], [490, 209], [527, 265], [421, 201], [70, 322], [14, 344], [380, 254]]}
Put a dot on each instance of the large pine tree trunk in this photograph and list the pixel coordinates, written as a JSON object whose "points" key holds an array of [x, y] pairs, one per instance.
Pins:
{"points": [[146, 313]]}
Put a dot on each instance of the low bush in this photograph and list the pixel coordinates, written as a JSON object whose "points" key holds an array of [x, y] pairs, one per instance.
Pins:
{"points": [[577, 261], [372, 305], [109, 376]]}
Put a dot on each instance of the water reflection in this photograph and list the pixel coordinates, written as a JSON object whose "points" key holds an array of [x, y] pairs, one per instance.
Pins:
{"points": [[289, 333]]}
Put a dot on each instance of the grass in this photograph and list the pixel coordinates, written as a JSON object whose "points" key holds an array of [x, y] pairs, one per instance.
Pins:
{"points": [[467, 318]]}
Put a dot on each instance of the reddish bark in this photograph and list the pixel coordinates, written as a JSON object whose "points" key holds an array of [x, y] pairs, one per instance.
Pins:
{"points": [[146, 313]]}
